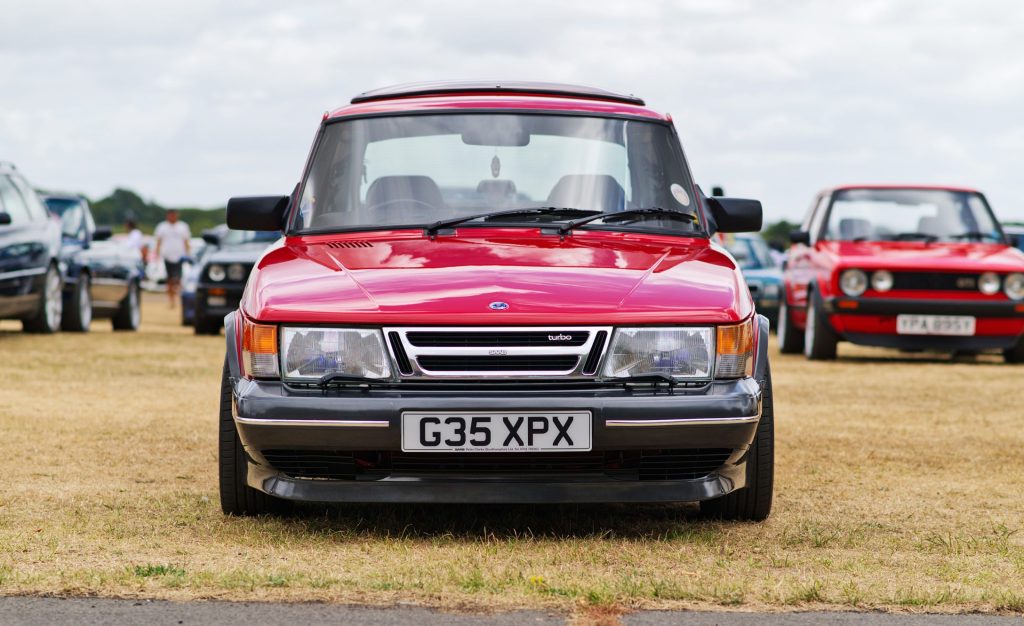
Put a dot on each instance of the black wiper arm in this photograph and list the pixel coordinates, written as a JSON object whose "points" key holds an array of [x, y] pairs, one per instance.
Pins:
{"points": [[328, 379], [564, 229], [649, 377], [973, 234], [431, 230], [912, 236]]}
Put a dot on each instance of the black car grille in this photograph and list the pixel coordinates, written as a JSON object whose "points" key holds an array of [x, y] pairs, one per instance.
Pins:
{"points": [[642, 465], [466, 363], [496, 339], [934, 281]]}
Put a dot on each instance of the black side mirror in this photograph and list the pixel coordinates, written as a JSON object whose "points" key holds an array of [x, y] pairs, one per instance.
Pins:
{"points": [[102, 233], [736, 215], [256, 212], [717, 192], [211, 238], [5, 218], [800, 236]]}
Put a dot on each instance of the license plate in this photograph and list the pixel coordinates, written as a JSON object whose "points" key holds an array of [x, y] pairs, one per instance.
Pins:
{"points": [[959, 325], [495, 432], [216, 300]]}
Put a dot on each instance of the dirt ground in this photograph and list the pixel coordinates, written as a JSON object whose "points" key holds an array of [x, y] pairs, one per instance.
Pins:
{"points": [[899, 487]]}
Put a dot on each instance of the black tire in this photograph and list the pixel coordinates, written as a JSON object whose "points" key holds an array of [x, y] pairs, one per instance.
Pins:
{"points": [[820, 341], [237, 497], [1015, 354], [752, 503], [129, 313], [207, 325], [47, 318], [791, 338], [77, 317]]}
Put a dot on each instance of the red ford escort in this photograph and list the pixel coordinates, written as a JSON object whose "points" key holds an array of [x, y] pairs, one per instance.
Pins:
{"points": [[496, 293], [909, 267]]}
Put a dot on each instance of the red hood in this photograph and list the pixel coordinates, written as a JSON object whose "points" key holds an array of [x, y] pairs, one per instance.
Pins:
{"points": [[910, 255], [404, 278]]}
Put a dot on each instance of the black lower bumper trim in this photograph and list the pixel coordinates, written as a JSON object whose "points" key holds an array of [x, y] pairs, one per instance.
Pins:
{"points": [[894, 306]]}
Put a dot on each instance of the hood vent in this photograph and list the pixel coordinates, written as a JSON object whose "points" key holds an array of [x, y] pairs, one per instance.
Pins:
{"points": [[358, 243]]}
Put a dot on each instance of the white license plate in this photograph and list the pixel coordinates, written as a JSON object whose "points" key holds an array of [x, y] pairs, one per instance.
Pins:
{"points": [[464, 431], [959, 325]]}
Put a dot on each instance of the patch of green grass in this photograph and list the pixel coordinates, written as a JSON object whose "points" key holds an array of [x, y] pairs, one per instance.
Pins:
{"points": [[150, 571]]}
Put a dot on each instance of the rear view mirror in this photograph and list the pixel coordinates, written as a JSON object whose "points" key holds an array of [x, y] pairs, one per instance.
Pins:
{"points": [[5, 218], [102, 233], [257, 212], [800, 236], [736, 215]]}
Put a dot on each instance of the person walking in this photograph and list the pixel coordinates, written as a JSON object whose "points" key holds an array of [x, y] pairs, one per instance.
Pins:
{"points": [[172, 247]]}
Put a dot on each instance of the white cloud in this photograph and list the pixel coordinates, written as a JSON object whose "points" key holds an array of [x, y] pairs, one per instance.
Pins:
{"points": [[190, 102]]}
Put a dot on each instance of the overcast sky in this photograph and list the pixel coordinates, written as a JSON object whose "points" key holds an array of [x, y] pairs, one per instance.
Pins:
{"points": [[190, 102]]}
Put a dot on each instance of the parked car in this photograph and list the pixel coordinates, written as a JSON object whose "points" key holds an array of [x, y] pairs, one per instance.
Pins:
{"points": [[588, 345], [915, 268], [1015, 234], [190, 276], [221, 276], [102, 278], [762, 273], [30, 266]]}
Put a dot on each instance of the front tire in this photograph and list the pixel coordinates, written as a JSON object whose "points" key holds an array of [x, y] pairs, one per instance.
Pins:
{"points": [[820, 341], [236, 496], [752, 503], [129, 313], [1015, 354], [791, 339], [77, 317], [47, 318]]}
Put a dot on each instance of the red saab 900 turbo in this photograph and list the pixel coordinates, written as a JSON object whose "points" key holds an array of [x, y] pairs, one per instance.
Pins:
{"points": [[496, 294], [909, 267]]}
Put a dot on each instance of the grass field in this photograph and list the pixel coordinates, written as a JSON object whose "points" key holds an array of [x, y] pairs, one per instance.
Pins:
{"points": [[899, 487]]}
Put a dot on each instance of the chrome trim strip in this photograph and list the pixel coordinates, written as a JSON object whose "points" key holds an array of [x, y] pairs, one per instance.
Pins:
{"points": [[685, 421], [19, 273], [249, 421]]}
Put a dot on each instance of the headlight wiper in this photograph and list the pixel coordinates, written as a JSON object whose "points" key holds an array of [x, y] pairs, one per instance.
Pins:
{"points": [[432, 229], [648, 377], [329, 379], [615, 216]]}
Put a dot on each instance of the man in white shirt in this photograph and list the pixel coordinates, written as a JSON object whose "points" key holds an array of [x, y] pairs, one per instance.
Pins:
{"points": [[172, 246]]}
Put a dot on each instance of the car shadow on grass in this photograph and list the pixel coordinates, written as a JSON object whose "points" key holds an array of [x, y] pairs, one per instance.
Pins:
{"points": [[476, 521], [943, 358]]}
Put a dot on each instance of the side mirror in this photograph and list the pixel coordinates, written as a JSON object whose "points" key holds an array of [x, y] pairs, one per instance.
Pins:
{"points": [[736, 215], [211, 238], [800, 236], [257, 212], [5, 218], [717, 192], [102, 233]]}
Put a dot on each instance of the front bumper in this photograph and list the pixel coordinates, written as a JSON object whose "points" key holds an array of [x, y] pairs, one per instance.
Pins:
{"points": [[272, 416], [872, 322]]}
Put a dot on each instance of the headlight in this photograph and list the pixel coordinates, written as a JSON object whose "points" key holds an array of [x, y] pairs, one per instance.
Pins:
{"points": [[988, 283], [216, 273], [236, 272], [735, 350], [684, 353], [853, 282], [1014, 286], [881, 280], [308, 354]]}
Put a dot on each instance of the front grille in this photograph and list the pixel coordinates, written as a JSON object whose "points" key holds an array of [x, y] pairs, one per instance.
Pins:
{"points": [[547, 363], [934, 281], [636, 465], [497, 338]]}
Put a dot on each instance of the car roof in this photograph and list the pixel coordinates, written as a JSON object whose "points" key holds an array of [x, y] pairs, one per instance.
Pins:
{"points": [[931, 187], [495, 95]]}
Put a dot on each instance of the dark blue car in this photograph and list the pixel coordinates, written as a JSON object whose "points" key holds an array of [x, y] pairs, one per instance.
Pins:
{"points": [[762, 273]]}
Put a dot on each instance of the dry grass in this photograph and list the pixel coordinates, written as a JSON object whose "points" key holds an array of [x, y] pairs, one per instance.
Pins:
{"points": [[899, 487]]}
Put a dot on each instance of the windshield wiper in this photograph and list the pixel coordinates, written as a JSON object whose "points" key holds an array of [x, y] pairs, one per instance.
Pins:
{"points": [[614, 216], [432, 229], [973, 234], [926, 237]]}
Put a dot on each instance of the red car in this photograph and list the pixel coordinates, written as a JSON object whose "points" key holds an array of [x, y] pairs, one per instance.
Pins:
{"points": [[496, 294], [908, 267]]}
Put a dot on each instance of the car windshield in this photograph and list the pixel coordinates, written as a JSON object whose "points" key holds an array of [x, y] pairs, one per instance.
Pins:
{"points": [[751, 253], [239, 237], [71, 214], [910, 215], [414, 170]]}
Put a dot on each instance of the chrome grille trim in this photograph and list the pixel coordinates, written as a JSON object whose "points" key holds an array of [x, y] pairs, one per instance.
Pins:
{"points": [[579, 352]]}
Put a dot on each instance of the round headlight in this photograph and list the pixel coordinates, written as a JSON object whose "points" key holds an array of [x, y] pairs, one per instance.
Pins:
{"points": [[988, 283], [216, 273], [881, 280], [236, 272], [853, 282], [1014, 286]]}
